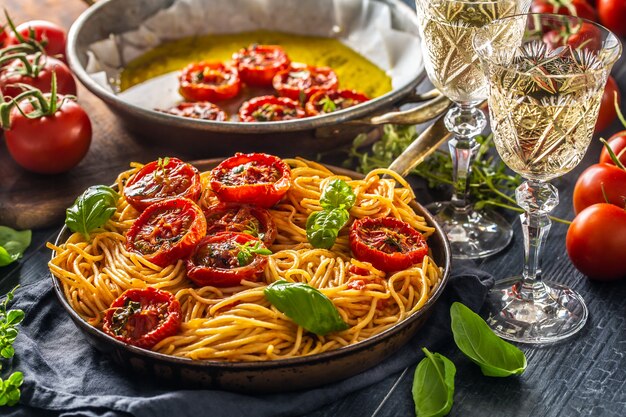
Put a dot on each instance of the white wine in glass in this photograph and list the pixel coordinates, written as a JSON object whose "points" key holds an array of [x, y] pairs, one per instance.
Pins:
{"points": [[447, 28]]}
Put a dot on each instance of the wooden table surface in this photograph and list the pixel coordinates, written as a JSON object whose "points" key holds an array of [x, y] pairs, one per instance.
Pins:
{"points": [[586, 376]]}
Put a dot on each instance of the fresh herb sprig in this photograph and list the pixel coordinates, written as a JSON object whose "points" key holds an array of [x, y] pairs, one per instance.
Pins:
{"points": [[490, 183], [9, 319], [247, 252], [91, 209], [322, 227]]}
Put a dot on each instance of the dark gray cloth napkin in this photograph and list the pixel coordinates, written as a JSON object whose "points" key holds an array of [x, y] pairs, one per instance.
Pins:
{"points": [[65, 376]]}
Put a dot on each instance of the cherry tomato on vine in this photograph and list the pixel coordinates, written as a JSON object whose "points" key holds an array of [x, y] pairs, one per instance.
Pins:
{"points": [[162, 179], [596, 242], [324, 102], [55, 141], [578, 36], [224, 259], [607, 106], [600, 183], [617, 142], [578, 8], [36, 72], [143, 317], [203, 110], [4, 35], [258, 64], [167, 231], [389, 244], [304, 80], [50, 35], [255, 178], [612, 14], [270, 109], [209, 81], [241, 218]]}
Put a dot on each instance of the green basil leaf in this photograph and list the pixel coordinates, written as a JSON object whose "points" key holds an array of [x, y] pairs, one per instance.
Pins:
{"points": [[14, 317], [13, 396], [306, 306], [322, 227], [337, 194], [7, 352], [16, 379], [433, 385], [92, 209], [13, 243], [479, 343]]}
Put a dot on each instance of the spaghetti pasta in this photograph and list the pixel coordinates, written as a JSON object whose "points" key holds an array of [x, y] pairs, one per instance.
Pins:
{"points": [[238, 323]]}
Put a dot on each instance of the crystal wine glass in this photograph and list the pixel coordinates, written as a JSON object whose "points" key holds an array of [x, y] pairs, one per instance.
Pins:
{"points": [[546, 75], [447, 28]]}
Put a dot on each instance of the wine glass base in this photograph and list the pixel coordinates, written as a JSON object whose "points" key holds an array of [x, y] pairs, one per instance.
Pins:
{"points": [[472, 234], [556, 316]]}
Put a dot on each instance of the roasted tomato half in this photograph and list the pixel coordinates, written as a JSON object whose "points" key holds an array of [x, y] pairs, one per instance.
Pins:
{"points": [[167, 231], [202, 110], [162, 179], [223, 260], [254, 178], [143, 317], [324, 102], [258, 64], [387, 243], [240, 218], [302, 81], [270, 109], [209, 81]]}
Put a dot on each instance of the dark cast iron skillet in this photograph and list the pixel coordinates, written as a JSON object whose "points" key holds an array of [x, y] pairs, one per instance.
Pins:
{"points": [[276, 375]]}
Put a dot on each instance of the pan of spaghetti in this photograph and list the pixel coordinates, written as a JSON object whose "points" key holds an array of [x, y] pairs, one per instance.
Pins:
{"points": [[252, 273]]}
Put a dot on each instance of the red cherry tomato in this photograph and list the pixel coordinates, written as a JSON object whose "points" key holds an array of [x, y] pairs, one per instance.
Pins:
{"points": [[241, 218], [16, 72], [167, 231], [270, 109], [258, 64], [304, 80], [389, 244], [578, 8], [324, 102], [600, 183], [209, 81], [203, 110], [255, 178], [612, 15], [607, 107], [143, 317], [160, 180], [617, 142], [50, 144], [218, 260], [596, 242], [578, 36], [4, 35], [50, 35]]}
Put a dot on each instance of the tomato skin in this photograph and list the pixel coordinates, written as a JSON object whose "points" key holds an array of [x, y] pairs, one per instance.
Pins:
{"points": [[43, 81], [258, 64], [202, 110], [161, 218], [612, 15], [597, 181], [363, 248], [617, 142], [154, 303], [233, 217], [46, 32], [209, 81], [607, 106], [578, 8], [270, 109], [203, 274], [596, 242], [3, 37], [49, 144], [263, 193], [175, 179], [313, 79], [342, 99]]}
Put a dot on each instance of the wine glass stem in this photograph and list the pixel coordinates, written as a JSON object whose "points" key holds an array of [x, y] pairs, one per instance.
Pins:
{"points": [[538, 199], [465, 122]]}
